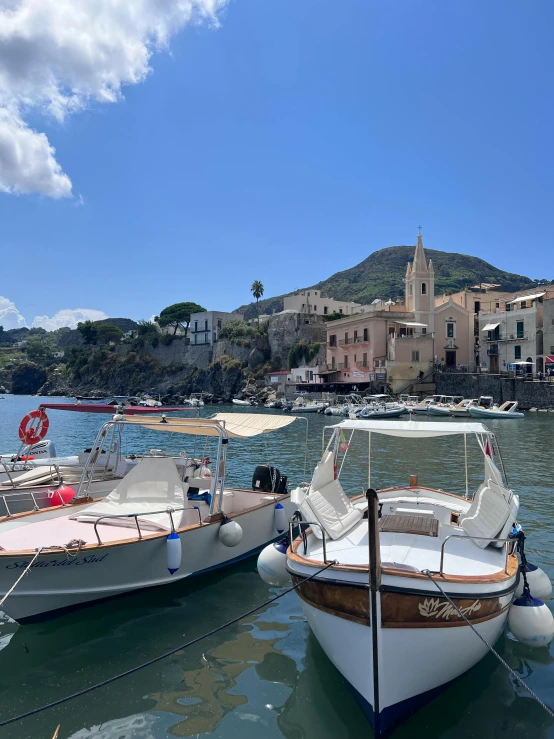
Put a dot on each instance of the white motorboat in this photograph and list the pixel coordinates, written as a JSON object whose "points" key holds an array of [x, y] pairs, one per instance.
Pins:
{"points": [[390, 410], [506, 410], [301, 405], [443, 406], [238, 401], [158, 525], [377, 611]]}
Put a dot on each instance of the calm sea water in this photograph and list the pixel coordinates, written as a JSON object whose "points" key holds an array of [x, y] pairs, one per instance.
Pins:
{"points": [[266, 676]]}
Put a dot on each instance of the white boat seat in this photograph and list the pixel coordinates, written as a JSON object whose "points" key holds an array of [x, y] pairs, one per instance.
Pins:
{"points": [[152, 486], [332, 509], [489, 512]]}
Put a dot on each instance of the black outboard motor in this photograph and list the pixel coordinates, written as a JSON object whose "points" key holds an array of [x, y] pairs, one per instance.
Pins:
{"points": [[268, 479]]}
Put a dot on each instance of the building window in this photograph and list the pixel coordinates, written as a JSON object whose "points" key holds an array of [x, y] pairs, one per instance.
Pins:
{"points": [[315, 308], [523, 304], [423, 331], [415, 356], [206, 339], [519, 330], [333, 340], [477, 306], [196, 326], [517, 352], [449, 330], [206, 325], [340, 310], [196, 338], [355, 359], [365, 334], [219, 322], [346, 361], [346, 338], [355, 337], [424, 288], [411, 289], [332, 362], [325, 310]]}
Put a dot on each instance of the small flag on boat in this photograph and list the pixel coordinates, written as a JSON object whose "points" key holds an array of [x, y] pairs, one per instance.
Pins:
{"points": [[343, 446]]}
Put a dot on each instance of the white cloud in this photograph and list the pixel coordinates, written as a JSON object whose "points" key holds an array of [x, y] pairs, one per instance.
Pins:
{"points": [[27, 162], [68, 317], [59, 55], [10, 317]]}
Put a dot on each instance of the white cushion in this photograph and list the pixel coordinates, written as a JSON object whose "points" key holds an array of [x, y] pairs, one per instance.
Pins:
{"points": [[330, 507], [488, 513]]}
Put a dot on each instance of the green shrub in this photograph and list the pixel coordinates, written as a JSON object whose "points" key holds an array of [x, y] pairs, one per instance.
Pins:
{"points": [[302, 351]]}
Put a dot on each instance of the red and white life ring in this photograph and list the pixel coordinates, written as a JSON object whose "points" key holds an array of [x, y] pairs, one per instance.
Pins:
{"points": [[34, 434]]}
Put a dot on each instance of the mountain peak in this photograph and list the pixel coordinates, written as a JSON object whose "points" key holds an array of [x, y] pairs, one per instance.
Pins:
{"points": [[382, 274]]}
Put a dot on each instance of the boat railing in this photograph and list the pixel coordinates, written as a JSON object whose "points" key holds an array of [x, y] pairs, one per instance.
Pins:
{"points": [[18, 495], [169, 511], [15, 483], [292, 524], [508, 549], [506, 541]]}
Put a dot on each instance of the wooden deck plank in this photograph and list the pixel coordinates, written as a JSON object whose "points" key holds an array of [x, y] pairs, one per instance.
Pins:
{"points": [[422, 525]]}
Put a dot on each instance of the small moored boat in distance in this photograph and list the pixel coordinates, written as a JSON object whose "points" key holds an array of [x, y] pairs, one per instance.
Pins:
{"points": [[239, 401], [506, 410]]}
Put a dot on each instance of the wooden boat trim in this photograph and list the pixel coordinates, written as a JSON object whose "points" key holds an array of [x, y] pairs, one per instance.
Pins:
{"points": [[398, 610], [513, 565]]}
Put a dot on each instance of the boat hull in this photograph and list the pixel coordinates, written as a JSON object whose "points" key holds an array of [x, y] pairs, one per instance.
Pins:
{"points": [[422, 644], [486, 413], [57, 582]]}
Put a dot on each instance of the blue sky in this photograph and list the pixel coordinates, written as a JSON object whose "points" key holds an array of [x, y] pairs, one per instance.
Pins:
{"points": [[286, 144]]}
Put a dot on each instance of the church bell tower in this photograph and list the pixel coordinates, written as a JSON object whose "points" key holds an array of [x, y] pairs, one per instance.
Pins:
{"points": [[420, 288]]}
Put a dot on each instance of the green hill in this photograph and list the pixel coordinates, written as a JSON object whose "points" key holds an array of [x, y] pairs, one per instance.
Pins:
{"points": [[381, 275]]}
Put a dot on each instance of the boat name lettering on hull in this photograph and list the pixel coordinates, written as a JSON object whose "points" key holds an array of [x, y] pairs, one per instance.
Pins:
{"points": [[90, 559], [433, 608]]}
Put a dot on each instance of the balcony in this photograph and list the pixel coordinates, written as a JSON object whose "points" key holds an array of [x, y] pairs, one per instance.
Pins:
{"points": [[353, 340], [510, 337], [362, 365], [492, 351]]}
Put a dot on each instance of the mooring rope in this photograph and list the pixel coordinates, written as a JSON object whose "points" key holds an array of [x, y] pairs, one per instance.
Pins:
{"points": [[512, 672], [74, 543], [160, 657], [16, 583]]}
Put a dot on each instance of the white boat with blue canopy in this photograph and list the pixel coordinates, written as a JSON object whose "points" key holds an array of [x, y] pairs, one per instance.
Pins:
{"points": [[376, 610], [167, 519]]}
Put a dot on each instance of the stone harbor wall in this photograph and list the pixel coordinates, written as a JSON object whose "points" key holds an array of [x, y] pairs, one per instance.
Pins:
{"points": [[180, 353], [528, 394]]}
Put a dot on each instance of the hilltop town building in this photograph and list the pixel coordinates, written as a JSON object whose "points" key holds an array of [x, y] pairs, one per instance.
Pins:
{"points": [[311, 301], [205, 327]]}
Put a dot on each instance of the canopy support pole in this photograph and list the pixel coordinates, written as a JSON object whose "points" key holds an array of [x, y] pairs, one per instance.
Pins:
{"points": [[465, 460], [369, 459]]}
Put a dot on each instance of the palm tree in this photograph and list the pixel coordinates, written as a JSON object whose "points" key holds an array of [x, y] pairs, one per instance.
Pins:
{"points": [[257, 291]]}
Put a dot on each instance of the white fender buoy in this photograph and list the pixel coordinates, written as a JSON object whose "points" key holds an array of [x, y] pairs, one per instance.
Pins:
{"points": [[230, 533], [173, 552], [539, 583], [272, 564], [530, 621], [280, 518]]}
